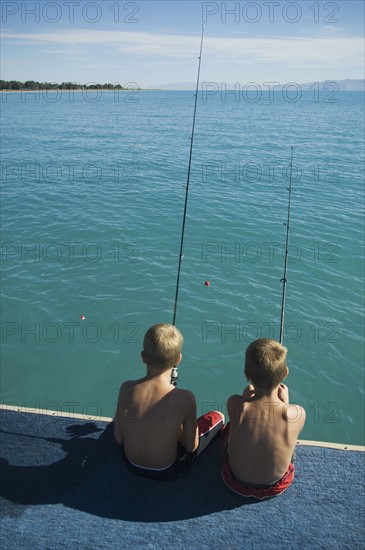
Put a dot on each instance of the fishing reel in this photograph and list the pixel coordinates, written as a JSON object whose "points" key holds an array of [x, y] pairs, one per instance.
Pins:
{"points": [[174, 376]]}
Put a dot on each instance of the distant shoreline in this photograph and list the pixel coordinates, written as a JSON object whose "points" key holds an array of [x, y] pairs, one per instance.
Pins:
{"points": [[135, 90], [329, 86], [80, 90]]}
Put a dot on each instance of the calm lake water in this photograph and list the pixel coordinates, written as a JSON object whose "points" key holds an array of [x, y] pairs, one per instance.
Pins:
{"points": [[92, 204]]}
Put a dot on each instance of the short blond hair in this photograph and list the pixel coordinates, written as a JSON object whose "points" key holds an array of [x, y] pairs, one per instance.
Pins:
{"points": [[265, 363], [162, 345]]}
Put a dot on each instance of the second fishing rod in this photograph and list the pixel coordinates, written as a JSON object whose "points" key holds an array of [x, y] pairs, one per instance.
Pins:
{"points": [[174, 375], [287, 224]]}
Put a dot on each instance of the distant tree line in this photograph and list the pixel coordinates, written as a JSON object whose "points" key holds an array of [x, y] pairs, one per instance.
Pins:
{"points": [[35, 85]]}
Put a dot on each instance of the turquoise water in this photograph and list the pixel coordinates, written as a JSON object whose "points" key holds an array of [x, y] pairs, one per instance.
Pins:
{"points": [[92, 204]]}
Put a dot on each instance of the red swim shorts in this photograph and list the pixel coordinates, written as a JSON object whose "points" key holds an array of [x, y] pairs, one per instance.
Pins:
{"points": [[260, 493]]}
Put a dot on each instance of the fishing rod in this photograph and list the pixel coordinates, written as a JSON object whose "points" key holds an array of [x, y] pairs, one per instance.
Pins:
{"points": [[287, 224], [174, 375]]}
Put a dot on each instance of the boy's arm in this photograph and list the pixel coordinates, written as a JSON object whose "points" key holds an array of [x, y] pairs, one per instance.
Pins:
{"points": [[295, 414], [248, 392], [190, 434], [234, 407], [283, 393]]}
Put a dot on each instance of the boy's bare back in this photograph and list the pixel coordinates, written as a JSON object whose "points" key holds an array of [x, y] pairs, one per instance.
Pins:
{"points": [[152, 416], [263, 434]]}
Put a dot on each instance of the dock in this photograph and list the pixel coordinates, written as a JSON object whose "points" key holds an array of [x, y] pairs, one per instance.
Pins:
{"points": [[64, 486]]}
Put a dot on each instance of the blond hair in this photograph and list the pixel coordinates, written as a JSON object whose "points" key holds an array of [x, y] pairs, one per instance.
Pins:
{"points": [[162, 345], [265, 363]]}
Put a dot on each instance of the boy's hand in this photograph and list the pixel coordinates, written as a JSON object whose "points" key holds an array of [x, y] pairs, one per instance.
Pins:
{"points": [[248, 392], [283, 393]]}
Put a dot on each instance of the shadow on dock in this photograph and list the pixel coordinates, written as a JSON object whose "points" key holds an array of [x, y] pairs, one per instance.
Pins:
{"points": [[79, 465]]}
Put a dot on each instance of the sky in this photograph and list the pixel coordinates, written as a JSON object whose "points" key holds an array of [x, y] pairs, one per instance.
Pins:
{"points": [[156, 43]]}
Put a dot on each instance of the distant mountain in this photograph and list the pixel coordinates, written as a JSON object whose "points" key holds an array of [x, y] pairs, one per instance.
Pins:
{"points": [[347, 85]]}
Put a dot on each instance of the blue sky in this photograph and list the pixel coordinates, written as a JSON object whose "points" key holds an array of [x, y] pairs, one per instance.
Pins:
{"points": [[154, 43]]}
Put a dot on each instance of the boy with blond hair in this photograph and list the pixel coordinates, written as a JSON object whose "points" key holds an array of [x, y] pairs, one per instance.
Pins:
{"points": [[263, 428], [155, 421]]}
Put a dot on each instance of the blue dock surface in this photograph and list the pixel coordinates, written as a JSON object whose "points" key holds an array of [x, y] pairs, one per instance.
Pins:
{"points": [[64, 486]]}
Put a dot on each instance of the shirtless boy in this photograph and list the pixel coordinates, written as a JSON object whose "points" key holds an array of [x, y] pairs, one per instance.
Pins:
{"points": [[155, 421], [263, 427]]}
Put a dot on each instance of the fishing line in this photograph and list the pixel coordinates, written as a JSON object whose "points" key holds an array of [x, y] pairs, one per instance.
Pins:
{"points": [[284, 279], [174, 375]]}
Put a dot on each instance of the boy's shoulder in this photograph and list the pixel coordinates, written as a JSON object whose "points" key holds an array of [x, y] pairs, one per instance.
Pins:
{"points": [[127, 384], [126, 389], [184, 395], [234, 399], [294, 413], [181, 400], [238, 400], [180, 394]]}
